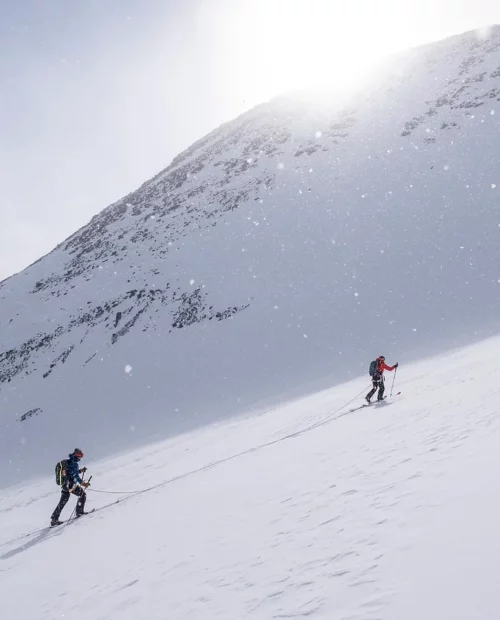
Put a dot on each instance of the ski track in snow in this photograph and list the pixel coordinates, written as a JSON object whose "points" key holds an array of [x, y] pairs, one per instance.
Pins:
{"points": [[384, 514]]}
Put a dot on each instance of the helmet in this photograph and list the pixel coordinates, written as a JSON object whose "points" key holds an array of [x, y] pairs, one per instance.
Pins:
{"points": [[381, 358], [78, 453]]}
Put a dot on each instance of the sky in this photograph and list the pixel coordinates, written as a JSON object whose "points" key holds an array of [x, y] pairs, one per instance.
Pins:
{"points": [[97, 96]]}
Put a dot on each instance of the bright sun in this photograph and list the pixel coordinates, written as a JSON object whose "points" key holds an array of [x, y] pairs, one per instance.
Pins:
{"points": [[282, 45]]}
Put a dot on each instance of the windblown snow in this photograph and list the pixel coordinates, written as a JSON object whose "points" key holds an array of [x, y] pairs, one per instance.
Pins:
{"points": [[276, 256], [306, 511]]}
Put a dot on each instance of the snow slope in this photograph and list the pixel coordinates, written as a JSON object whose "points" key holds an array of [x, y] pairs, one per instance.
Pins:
{"points": [[279, 253], [387, 513]]}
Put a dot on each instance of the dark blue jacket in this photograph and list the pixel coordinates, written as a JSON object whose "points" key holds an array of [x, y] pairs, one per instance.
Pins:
{"points": [[73, 471]]}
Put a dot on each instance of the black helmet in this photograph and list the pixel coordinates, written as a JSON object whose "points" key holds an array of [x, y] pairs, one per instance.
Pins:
{"points": [[77, 453], [381, 357]]}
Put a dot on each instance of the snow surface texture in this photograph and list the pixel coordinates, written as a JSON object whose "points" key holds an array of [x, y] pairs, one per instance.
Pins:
{"points": [[277, 255], [388, 513]]}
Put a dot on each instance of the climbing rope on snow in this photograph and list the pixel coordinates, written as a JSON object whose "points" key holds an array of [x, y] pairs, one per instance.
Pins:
{"points": [[325, 420], [113, 492], [330, 417]]}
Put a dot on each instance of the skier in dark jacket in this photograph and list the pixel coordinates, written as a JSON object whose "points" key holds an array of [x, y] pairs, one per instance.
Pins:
{"points": [[71, 483], [378, 378]]}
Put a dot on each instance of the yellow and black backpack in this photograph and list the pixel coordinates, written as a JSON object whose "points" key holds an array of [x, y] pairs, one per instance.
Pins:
{"points": [[61, 469]]}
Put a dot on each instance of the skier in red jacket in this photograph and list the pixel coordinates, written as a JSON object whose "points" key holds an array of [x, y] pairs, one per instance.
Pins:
{"points": [[377, 374]]}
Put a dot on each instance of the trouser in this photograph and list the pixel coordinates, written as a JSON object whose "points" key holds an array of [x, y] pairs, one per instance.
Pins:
{"points": [[378, 383], [80, 505]]}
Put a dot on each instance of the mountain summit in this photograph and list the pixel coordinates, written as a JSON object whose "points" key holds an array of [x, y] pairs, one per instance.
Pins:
{"points": [[284, 250]]}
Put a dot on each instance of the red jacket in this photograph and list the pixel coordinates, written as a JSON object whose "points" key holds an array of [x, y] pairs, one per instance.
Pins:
{"points": [[383, 366]]}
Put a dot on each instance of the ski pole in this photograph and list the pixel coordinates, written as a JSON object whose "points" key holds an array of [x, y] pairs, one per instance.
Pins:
{"points": [[393, 380], [74, 509]]}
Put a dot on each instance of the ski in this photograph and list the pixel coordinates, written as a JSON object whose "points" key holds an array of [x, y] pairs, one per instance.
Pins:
{"points": [[375, 402], [73, 519], [366, 405], [89, 512]]}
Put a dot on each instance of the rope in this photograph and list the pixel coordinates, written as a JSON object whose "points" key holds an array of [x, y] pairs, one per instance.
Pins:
{"points": [[325, 420], [113, 492], [329, 417]]}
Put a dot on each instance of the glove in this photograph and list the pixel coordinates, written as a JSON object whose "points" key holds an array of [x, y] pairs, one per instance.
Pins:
{"points": [[85, 485], [396, 365], [82, 470]]}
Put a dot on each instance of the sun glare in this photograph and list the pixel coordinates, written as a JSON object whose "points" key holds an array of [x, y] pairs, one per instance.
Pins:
{"points": [[282, 45]]}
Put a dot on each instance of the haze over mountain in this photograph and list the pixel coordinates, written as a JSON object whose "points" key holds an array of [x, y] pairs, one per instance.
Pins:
{"points": [[279, 253]]}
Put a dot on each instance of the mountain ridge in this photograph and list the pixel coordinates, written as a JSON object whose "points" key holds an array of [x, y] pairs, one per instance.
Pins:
{"points": [[285, 247]]}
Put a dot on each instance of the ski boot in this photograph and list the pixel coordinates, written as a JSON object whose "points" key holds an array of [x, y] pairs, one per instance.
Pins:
{"points": [[84, 512]]}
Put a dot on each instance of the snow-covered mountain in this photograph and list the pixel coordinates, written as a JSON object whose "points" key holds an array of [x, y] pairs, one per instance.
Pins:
{"points": [[387, 513], [280, 252]]}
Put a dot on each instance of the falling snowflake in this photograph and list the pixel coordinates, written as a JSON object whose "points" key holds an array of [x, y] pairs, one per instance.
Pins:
{"points": [[446, 167], [281, 165], [492, 112], [318, 134], [128, 369], [493, 186], [191, 282]]}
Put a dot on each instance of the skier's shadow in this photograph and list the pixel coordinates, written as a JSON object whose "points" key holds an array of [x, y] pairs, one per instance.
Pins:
{"points": [[48, 533], [45, 534], [382, 404]]}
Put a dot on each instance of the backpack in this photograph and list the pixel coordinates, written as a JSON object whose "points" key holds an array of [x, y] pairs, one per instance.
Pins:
{"points": [[373, 368], [61, 468]]}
